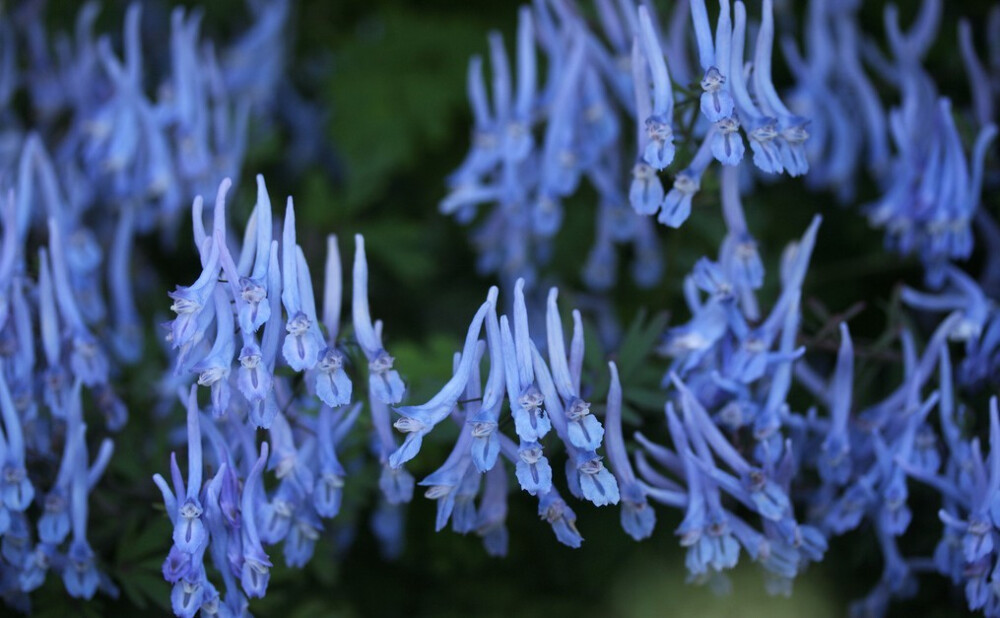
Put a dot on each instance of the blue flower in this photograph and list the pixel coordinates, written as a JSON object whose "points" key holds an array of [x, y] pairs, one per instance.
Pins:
{"points": [[255, 310], [54, 524], [301, 540], [255, 572], [654, 138], [560, 169], [492, 514], [80, 574], [189, 530], [761, 130], [835, 459], [532, 468], [597, 484], [303, 343], [443, 484], [86, 360], [395, 482], [637, 517], [328, 488], [792, 129], [214, 369], [15, 486], [190, 303], [187, 594], [557, 513], [716, 102], [383, 379], [659, 149], [418, 421], [332, 384], [583, 430], [483, 419], [676, 207], [531, 421], [225, 538]]}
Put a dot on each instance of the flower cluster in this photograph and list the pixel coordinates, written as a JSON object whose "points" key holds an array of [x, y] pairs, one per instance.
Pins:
{"points": [[533, 145], [930, 185], [847, 119], [769, 446], [731, 382], [242, 292], [749, 471], [582, 137], [237, 295], [88, 163], [118, 148], [728, 102], [48, 356]]}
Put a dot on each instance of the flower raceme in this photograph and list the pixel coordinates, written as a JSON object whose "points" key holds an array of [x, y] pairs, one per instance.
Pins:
{"points": [[531, 148], [546, 394], [103, 145], [304, 428]]}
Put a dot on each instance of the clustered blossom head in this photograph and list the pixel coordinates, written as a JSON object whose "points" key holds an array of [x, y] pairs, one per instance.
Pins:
{"points": [[933, 193], [212, 515], [109, 160], [734, 95], [267, 305], [631, 67], [866, 461], [241, 293], [931, 184], [123, 148], [542, 397], [532, 146], [44, 368], [735, 441], [848, 126], [88, 162]]}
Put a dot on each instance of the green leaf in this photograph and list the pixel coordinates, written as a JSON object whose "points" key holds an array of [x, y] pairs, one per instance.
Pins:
{"points": [[630, 415], [639, 341], [133, 592], [137, 544], [400, 246], [153, 588], [396, 89]]}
